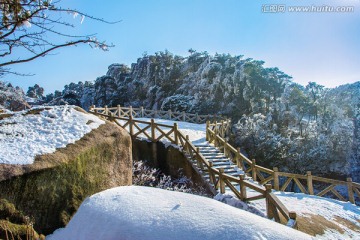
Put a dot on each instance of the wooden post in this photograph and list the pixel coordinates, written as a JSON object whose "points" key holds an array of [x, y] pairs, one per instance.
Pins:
{"points": [[187, 148], [176, 133], [197, 118], [106, 110], [118, 110], [242, 187], [152, 122], [309, 179], [198, 158], [169, 113], [184, 116], [225, 150], [253, 169], [211, 175], [215, 129], [292, 216], [155, 113], [240, 161], [206, 130], [142, 111], [350, 190], [131, 112], [215, 141], [222, 183], [269, 207], [222, 129], [228, 127], [131, 125], [276, 179], [92, 108]]}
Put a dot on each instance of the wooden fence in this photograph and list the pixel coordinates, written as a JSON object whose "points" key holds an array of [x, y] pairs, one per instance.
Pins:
{"points": [[280, 181], [127, 112], [155, 132]]}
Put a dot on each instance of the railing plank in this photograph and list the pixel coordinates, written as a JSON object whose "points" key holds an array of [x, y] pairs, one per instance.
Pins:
{"points": [[286, 184], [279, 205], [298, 183], [325, 190]]}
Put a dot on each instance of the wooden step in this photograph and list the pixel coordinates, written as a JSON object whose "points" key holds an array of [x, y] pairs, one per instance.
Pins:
{"points": [[217, 163], [212, 154], [204, 146], [211, 159]]}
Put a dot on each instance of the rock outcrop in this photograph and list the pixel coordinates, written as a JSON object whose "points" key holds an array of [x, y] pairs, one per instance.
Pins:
{"points": [[51, 189]]}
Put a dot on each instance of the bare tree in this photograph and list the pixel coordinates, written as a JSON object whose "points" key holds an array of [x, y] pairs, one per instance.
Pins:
{"points": [[30, 27]]}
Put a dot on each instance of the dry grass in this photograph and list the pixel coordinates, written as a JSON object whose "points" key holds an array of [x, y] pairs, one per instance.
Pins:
{"points": [[35, 111], [348, 224], [10, 231], [6, 115], [316, 225]]}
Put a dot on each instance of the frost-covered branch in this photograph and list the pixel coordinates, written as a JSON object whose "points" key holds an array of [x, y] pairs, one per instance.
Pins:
{"points": [[32, 25]]}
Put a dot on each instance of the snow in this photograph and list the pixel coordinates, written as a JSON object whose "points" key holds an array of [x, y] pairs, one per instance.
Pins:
{"points": [[135, 212], [306, 206], [22, 137]]}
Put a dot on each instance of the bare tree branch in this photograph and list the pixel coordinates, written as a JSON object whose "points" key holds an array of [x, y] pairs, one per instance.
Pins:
{"points": [[28, 25], [42, 54]]}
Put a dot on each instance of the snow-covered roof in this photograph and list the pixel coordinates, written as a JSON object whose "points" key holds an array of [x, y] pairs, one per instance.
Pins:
{"points": [[25, 135], [149, 213]]}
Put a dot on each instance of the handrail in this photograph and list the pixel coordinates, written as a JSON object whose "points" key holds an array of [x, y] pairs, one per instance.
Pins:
{"points": [[120, 111], [217, 176], [305, 183]]}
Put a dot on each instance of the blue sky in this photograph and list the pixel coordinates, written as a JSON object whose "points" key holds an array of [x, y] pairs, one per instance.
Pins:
{"points": [[320, 47]]}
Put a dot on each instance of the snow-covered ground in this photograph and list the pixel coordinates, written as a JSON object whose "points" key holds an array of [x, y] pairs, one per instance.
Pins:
{"points": [[306, 206], [150, 213], [22, 136], [344, 216]]}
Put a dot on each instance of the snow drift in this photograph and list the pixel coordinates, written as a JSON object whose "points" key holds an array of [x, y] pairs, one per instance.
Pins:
{"points": [[148, 213]]}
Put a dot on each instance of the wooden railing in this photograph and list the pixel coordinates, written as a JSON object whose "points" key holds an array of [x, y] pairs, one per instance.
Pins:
{"points": [[281, 181], [155, 132], [127, 112]]}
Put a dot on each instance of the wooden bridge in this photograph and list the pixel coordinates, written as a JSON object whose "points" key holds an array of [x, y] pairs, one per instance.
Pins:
{"points": [[224, 167]]}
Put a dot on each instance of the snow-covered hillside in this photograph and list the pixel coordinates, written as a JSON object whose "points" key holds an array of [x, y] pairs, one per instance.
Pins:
{"points": [[150, 213], [25, 135]]}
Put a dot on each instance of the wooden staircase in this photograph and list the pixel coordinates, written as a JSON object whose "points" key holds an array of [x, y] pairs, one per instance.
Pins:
{"points": [[218, 160]]}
